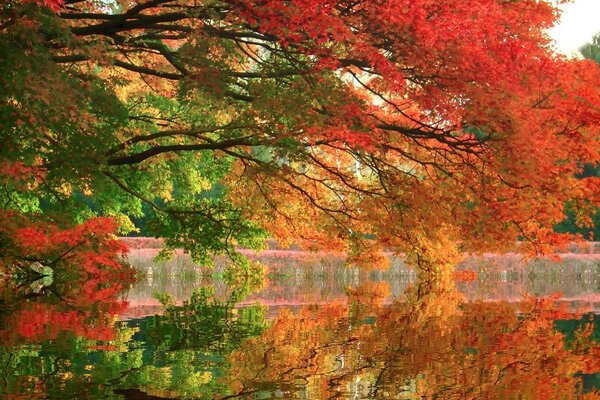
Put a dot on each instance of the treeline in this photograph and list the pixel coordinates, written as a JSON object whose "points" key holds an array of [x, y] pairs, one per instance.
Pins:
{"points": [[590, 51]]}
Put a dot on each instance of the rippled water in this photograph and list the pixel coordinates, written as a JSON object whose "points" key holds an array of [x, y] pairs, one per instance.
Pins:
{"points": [[316, 330]]}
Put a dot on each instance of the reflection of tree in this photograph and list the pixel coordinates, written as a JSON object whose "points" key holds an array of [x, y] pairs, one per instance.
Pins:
{"points": [[179, 354], [474, 350], [47, 338], [68, 367], [205, 322], [59, 339], [429, 344], [59, 301], [190, 345], [59, 278]]}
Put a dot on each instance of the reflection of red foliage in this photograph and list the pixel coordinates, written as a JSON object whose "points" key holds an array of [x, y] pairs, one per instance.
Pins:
{"points": [[45, 322], [89, 314], [85, 302], [467, 275]]}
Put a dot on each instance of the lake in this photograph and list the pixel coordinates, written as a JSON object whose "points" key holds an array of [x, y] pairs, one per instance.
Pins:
{"points": [[311, 329]]}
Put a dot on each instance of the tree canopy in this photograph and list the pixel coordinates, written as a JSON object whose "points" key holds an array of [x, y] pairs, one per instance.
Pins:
{"points": [[352, 125]]}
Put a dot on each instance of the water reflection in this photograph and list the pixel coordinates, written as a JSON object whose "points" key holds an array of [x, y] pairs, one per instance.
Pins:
{"points": [[344, 335], [364, 350], [51, 338]]}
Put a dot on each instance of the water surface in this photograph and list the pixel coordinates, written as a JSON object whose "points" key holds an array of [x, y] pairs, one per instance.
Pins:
{"points": [[315, 330]]}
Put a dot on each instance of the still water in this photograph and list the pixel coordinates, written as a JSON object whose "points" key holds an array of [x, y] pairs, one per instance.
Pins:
{"points": [[312, 330]]}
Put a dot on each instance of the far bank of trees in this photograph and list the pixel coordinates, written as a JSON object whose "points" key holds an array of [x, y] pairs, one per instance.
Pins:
{"points": [[590, 51]]}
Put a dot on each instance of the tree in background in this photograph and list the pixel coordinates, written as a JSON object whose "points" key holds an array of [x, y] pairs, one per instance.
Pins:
{"points": [[352, 125], [590, 51]]}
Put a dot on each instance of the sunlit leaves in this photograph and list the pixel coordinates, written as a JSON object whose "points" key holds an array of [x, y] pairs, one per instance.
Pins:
{"points": [[368, 125]]}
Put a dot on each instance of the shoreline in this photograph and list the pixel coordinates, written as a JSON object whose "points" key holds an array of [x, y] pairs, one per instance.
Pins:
{"points": [[144, 242]]}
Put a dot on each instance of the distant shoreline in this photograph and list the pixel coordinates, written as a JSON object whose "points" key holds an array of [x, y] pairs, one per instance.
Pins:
{"points": [[144, 242]]}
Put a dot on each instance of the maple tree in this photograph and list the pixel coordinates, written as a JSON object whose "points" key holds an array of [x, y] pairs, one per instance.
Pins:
{"points": [[354, 125]]}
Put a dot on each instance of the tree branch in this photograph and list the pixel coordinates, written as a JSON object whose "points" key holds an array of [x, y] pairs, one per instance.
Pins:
{"points": [[154, 151]]}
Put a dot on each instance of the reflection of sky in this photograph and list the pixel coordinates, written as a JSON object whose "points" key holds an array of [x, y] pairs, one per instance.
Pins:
{"points": [[579, 22]]}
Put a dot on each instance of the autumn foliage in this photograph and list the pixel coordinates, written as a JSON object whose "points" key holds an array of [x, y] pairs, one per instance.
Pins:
{"points": [[91, 245], [423, 127], [57, 280], [356, 126]]}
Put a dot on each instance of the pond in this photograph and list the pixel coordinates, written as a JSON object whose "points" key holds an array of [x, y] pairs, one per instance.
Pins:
{"points": [[312, 329]]}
